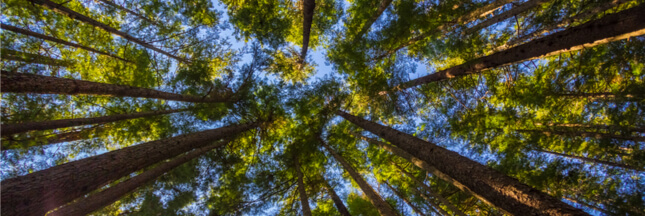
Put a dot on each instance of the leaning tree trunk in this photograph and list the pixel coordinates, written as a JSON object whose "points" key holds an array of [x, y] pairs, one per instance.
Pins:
{"points": [[80, 17], [368, 24], [9, 129], [334, 197], [592, 160], [42, 191], [383, 207], [405, 199], [91, 203], [496, 188], [308, 16], [505, 15], [29, 58], [433, 205], [584, 134], [621, 25], [443, 200], [56, 40], [50, 139], [138, 15], [32, 83], [304, 200], [594, 126]]}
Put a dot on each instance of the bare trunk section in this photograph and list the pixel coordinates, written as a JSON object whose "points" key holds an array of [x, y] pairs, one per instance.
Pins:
{"points": [[32, 83], [433, 205], [12, 55], [91, 203], [592, 160], [334, 197], [138, 15], [80, 17], [42, 191], [304, 200], [400, 195], [445, 202], [594, 126], [367, 25], [584, 134], [308, 15], [9, 143], [621, 25], [383, 207], [56, 40], [9, 129], [494, 187], [588, 206], [602, 96], [505, 15]]}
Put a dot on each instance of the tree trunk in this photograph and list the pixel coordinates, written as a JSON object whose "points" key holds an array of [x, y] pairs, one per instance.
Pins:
{"points": [[9, 143], [621, 25], [592, 160], [91, 203], [9, 129], [588, 206], [308, 16], [433, 205], [584, 134], [12, 55], [368, 24], [140, 16], [304, 200], [595, 126], [334, 197], [80, 17], [42, 191], [445, 202], [487, 184], [56, 40], [32, 83], [383, 207], [400, 195], [602, 96], [505, 15]]}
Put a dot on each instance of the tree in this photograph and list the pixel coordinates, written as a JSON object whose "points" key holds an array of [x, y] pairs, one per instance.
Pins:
{"points": [[304, 201], [337, 201]]}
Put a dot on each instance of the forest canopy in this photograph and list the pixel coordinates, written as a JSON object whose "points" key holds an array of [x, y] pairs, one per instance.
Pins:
{"points": [[322, 107]]}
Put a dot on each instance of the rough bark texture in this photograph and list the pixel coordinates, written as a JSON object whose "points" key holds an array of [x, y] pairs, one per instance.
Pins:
{"points": [[496, 188], [368, 24], [308, 15], [505, 15], [12, 55], [91, 203], [621, 25], [383, 207], [9, 143], [32, 83], [402, 197], [9, 129], [334, 197], [304, 200], [80, 17], [445, 202], [584, 134], [56, 40], [592, 160], [42, 191], [140, 16]]}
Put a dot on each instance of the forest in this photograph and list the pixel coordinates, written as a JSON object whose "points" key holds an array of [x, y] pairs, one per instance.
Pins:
{"points": [[322, 107]]}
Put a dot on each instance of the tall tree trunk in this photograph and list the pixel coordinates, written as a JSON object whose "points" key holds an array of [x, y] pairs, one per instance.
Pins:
{"points": [[433, 205], [334, 197], [445, 202], [592, 160], [368, 24], [487, 184], [80, 17], [42, 191], [505, 15], [594, 126], [304, 200], [601, 210], [12, 55], [585, 134], [9, 129], [9, 143], [308, 15], [56, 40], [405, 199], [32, 83], [138, 15], [91, 203], [621, 25], [446, 27], [383, 207], [602, 96]]}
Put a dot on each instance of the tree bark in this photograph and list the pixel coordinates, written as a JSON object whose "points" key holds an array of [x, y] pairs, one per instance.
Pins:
{"points": [[32, 83], [42, 191], [334, 197], [400, 195], [445, 202], [9, 143], [9, 129], [91, 203], [368, 24], [487, 184], [592, 160], [594, 126], [308, 15], [138, 15], [588, 206], [12, 55], [585, 134], [601, 96], [80, 17], [56, 40], [383, 207], [304, 200], [505, 15], [433, 205], [621, 25]]}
